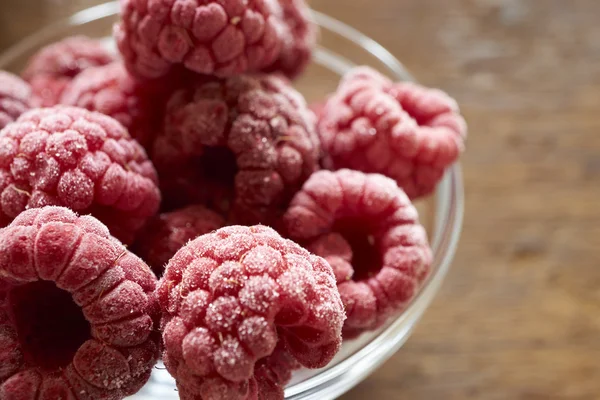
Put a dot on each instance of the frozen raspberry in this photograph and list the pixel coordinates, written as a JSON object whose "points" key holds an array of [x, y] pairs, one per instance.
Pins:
{"points": [[228, 299], [164, 235], [245, 144], [79, 159], [213, 37], [15, 98], [366, 227], [110, 90], [79, 310], [53, 67], [402, 130], [300, 38]]}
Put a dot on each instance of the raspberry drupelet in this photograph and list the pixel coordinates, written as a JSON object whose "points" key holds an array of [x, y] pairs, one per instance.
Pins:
{"points": [[213, 37], [79, 159], [402, 130], [54, 66], [112, 91], [367, 229], [243, 146], [15, 97], [77, 310], [165, 234], [241, 306]]}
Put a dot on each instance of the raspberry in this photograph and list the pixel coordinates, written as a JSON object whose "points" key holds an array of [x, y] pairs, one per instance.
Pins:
{"points": [[79, 159], [299, 40], [243, 144], [213, 37], [77, 310], [164, 235], [230, 297], [402, 130], [110, 90], [53, 67], [14, 98], [366, 227]]}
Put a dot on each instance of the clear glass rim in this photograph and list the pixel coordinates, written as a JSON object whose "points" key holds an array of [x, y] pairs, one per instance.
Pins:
{"points": [[449, 210]]}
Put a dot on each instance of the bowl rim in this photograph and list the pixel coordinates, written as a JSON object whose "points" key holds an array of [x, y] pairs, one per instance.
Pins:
{"points": [[449, 213]]}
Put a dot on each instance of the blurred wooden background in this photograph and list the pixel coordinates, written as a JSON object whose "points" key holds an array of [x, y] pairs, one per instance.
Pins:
{"points": [[519, 315]]}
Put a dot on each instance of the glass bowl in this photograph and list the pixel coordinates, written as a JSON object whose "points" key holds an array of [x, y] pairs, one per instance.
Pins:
{"points": [[340, 48]]}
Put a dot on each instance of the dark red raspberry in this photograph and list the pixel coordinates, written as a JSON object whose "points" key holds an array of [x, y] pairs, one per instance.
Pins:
{"points": [[300, 38], [164, 235], [366, 227], [53, 67], [402, 130], [245, 144], [228, 299], [15, 98], [112, 91], [79, 159], [214, 37], [77, 310]]}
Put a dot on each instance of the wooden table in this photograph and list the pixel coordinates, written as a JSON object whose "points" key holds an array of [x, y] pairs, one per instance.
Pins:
{"points": [[519, 315]]}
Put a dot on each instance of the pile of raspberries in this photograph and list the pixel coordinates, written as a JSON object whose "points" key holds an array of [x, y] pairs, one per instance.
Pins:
{"points": [[180, 200]]}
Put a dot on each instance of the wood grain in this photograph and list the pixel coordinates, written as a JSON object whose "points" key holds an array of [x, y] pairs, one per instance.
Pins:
{"points": [[519, 315]]}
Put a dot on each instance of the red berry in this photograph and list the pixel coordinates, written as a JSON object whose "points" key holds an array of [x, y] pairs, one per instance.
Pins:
{"points": [[53, 67], [241, 306], [242, 145], [15, 98], [79, 159], [165, 234], [215, 37], [402, 130], [80, 307], [367, 229]]}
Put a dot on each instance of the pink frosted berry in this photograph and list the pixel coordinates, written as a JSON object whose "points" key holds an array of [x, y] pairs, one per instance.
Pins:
{"points": [[15, 98], [77, 311], [213, 37], [54, 66], [79, 159], [165, 234], [402, 130], [367, 229], [111, 90], [243, 145], [241, 306]]}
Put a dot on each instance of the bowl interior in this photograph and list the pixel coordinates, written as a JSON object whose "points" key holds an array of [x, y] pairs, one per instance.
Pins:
{"points": [[340, 48]]}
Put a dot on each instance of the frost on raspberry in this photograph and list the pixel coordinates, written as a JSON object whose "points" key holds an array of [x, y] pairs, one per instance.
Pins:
{"points": [[15, 98], [77, 310], [402, 130], [112, 91], [79, 159], [367, 229], [165, 234], [54, 66], [213, 37], [241, 307], [242, 145]]}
